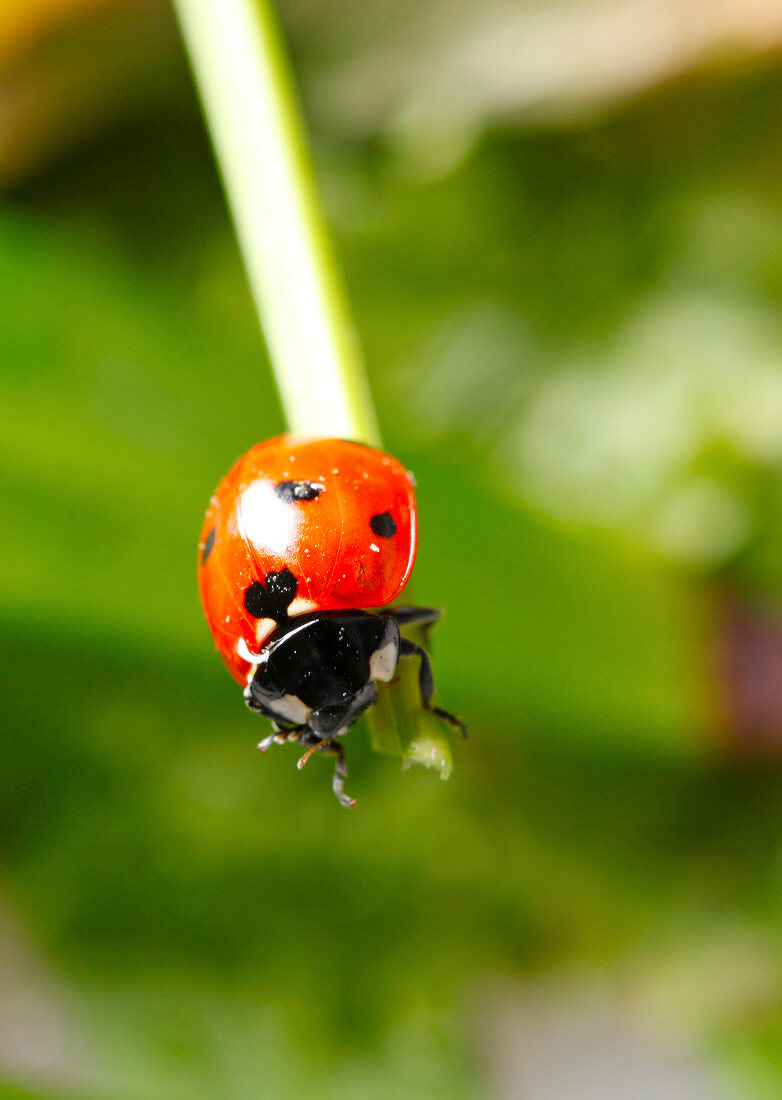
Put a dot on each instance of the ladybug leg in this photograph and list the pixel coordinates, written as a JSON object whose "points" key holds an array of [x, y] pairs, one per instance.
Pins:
{"points": [[267, 742], [426, 683], [425, 616], [452, 720], [280, 735], [340, 772], [334, 748], [283, 734]]}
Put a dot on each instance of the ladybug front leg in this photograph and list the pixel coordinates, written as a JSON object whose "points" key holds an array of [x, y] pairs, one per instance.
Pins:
{"points": [[426, 683], [337, 749], [282, 734], [340, 771], [423, 616]]}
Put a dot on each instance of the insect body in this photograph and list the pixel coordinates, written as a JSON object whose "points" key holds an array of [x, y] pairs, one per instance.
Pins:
{"points": [[300, 538]]}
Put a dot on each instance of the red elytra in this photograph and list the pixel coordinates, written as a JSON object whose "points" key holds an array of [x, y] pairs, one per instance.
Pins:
{"points": [[340, 516]]}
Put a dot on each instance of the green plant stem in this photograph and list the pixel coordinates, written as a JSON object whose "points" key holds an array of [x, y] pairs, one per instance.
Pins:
{"points": [[250, 104]]}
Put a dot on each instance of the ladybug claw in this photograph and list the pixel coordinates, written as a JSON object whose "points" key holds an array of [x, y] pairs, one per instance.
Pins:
{"points": [[340, 768], [279, 737], [453, 720], [340, 775]]}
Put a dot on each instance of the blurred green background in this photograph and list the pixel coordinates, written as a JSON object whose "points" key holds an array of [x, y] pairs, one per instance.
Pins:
{"points": [[561, 227]]}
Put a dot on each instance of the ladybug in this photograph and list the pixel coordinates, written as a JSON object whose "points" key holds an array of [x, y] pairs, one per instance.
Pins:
{"points": [[301, 537]]}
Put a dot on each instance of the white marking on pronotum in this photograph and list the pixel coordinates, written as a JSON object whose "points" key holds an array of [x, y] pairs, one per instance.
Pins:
{"points": [[383, 661]]}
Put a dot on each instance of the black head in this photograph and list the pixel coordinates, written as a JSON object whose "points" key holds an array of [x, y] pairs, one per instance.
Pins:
{"points": [[320, 670]]}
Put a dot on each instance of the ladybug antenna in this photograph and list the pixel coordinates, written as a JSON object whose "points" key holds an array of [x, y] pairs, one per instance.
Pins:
{"points": [[303, 759]]}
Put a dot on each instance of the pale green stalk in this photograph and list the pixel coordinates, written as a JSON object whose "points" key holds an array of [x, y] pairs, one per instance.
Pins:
{"points": [[250, 104], [251, 108]]}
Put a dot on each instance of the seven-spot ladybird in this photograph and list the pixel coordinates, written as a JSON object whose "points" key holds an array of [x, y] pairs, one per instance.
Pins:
{"points": [[300, 538]]}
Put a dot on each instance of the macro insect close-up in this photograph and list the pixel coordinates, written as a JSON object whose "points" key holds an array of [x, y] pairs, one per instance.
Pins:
{"points": [[371, 373], [300, 538]]}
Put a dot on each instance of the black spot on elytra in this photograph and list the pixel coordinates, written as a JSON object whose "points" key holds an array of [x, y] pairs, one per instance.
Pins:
{"points": [[209, 546], [383, 525], [271, 601], [291, 491]]}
